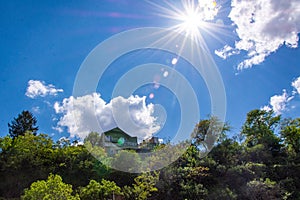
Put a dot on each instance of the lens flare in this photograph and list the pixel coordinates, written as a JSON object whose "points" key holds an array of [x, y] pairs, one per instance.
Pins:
{"points": [[191, 20], [174, 61], [191, 16]]}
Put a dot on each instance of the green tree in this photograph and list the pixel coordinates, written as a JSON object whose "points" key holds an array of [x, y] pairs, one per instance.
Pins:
{"points": [[259, 129], [192, 190], [52, 189], [127, 159], [92, 191], [24, 160], [143, 186], [183, 179], [227, 152], [259, 189], [290, 132], [30, 151], [25, 122], [5, 144], [76, 161], [99, 191], [94, 138], [209, 131]]}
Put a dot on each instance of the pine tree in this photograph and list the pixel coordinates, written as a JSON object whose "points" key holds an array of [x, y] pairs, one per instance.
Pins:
{"points": [[23, 123]]}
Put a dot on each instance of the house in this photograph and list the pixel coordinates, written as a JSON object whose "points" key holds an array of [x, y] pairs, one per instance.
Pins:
{"points": [[116, 139], [149, 144]]}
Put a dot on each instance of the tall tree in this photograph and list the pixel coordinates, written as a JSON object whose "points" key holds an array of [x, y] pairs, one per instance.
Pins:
{"points": [[23, 123], [290, 131], [208, 132], [259, 128], [94, 138]]}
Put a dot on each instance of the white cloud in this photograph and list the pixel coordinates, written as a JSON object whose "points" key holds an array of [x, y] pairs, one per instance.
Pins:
{"points": [[296, 84], [266, 108], [39, 88], [263, 26], [36, 109], [278, 103], [57, 128], [226, 52], [81, 115]]}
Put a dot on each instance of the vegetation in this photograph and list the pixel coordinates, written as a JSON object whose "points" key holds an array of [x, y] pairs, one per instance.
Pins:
{"points": [[23, 123], [98, 191], [261, 162], [53, 189]]}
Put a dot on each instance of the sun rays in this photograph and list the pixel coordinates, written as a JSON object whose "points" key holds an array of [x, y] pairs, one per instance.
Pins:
{"points": [[191, 16], [193, 19]]}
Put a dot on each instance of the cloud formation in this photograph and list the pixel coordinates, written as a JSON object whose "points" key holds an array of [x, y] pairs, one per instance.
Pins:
{"points": [[296, 85], [262, 27], [38, 88], [81, 115], [278, 103]]}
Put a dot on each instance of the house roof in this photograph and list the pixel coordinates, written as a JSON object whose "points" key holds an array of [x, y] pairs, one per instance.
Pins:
{"points": [[118, 130]]}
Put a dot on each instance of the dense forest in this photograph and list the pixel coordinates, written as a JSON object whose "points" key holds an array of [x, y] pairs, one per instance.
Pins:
{"points": [[260, 162]]}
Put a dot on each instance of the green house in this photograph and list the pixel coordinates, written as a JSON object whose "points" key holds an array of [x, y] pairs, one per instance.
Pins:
{"points": [[116, 139]]}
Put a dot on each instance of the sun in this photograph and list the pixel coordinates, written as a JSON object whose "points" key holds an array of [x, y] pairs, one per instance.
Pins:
{"points": [[191, 21], [192, 16], [194, 19]]}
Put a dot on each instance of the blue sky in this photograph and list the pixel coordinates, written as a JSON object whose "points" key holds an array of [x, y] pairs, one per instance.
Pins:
{"points": [[44, 43]]}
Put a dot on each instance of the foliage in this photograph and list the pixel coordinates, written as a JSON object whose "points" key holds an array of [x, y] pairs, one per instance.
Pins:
{"points": [[259, 189], [222, 193], [208, 131], [52, 189], [28, 158], [259, 128], [183, 177], [24, 160], [93, 138], [99, 191], [264, 165], [128, 160], [25, 122], [192, 190], [290, 132], [143, 186]]}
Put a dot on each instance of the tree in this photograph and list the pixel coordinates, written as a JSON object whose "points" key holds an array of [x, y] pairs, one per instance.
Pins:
{"points": [[25, 122], [99, 191], [192, 190], [76, 161], [259, 129], [290, 131], [183, 179], [92, 191], [227, 152], [259, 189], [52, 189], [28, 151], [94, 138], [24, 160], [207, 132], [127, 160], [5, 144], [143, 186]]}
